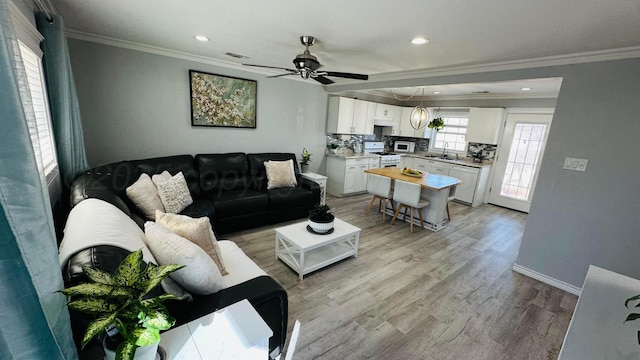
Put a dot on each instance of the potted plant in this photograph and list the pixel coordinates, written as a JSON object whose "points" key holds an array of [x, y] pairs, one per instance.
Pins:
{"points": [[321, 218], [436, 123], [633, 316], [118, 302], [306, 158]]}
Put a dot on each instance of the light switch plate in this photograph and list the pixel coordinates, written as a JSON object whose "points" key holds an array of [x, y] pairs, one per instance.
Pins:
{"points": [[575, 164]]}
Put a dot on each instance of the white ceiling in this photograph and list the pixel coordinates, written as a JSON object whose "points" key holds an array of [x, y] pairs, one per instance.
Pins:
{"points": [[366, 36]]}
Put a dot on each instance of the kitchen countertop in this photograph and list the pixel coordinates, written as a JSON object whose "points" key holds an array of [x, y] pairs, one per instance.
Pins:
{"points": [[464, 162]]}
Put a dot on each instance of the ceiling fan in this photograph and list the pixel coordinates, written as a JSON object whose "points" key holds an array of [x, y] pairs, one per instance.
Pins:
{"points": [[307, 66]]}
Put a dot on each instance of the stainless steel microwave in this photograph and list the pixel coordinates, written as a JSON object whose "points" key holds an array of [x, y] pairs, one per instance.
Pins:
{"points": [[404, 146]]}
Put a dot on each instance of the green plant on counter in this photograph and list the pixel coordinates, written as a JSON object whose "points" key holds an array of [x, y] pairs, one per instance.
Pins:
{"points": [[436, 123], [306, 157], [118, 300]]}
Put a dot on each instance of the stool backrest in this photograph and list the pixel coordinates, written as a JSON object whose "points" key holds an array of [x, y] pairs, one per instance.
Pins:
{"points": [[406, 193], [379, 185]]}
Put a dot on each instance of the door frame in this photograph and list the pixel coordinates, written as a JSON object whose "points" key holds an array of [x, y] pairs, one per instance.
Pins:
{"points": [[508, 111]]}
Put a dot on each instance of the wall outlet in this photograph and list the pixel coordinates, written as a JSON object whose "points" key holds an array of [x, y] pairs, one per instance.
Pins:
{"points": [[575, 164]]}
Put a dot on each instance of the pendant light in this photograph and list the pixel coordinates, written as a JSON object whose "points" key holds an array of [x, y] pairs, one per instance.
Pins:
{"points": [[419, 115]]}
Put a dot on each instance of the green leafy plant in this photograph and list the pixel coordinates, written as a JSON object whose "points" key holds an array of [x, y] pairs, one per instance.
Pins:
{"points": [[118, 300], [633, 316], [436, 123], [306, 157], [321, 213]]}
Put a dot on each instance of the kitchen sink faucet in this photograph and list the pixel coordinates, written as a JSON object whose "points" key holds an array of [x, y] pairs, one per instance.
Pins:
{"points": [[444, 150]]}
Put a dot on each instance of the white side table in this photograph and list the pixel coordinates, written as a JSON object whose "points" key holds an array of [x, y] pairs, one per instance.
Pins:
{"points": [[234, 332], [320, 180]]}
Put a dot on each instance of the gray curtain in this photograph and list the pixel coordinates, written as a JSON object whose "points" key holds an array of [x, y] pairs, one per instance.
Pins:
{"points": [[34, 321], [63, 98]]}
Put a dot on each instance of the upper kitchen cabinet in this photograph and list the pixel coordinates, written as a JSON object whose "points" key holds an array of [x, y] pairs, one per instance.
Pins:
{"points": [[349, 116], [405, 128], [388, 116], [484, 125]]}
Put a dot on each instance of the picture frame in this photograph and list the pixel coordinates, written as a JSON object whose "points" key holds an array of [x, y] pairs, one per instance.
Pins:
{"points": [[222, 101]]}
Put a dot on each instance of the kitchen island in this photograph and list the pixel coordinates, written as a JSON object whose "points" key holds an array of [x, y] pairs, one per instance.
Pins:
{"points": [[435, 188]]}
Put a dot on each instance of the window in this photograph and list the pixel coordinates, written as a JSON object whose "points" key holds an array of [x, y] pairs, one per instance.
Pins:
{"points": [[29, 44], [33, 68], [454, 133]]}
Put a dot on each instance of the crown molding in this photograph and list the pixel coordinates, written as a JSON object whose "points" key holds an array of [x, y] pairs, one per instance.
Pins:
{"points": [[569, 59], [519, 96], [125, 44]]}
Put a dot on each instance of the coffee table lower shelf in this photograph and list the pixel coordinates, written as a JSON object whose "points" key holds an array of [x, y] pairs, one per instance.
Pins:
{"points": [[305, 252]]}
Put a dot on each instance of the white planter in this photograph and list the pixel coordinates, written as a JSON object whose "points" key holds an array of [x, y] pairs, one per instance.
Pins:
{"points": [[320, 227], [142, 353]]}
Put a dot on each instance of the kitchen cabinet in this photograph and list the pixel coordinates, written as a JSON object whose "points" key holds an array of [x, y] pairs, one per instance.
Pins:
{"points": [[406, 162], [389, 116], [346, 176], [405, 128], [484, 125], [475, 180], [349, 116]]}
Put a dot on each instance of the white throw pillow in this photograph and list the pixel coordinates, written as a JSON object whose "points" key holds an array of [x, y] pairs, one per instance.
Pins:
{"points": [[174, 193], [144, 195], [165, 175], [280, 174], [200, 274], [196, 230], [95, 222]]}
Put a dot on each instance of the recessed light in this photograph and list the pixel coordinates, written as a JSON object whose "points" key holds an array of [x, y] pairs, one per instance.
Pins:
{"points": [[201, 38], [525, 89], [436, 92], [419, 40]]}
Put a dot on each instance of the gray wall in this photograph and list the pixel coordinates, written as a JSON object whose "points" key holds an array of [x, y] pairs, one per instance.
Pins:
{"points": [[136, 105], [592, 217]]}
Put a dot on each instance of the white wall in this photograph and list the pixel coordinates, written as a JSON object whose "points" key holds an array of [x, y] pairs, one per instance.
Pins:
{"points": [[136, 105]]}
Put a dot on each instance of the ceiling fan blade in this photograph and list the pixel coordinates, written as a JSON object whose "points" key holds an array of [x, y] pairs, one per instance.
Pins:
{"points": [[323, 80], [348, 75], [273, 67]]}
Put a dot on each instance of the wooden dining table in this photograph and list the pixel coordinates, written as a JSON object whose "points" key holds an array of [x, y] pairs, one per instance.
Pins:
{"points": [[435, 188]]}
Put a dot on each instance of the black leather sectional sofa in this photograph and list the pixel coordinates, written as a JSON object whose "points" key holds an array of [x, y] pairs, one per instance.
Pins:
{"points": [[230, 188]]}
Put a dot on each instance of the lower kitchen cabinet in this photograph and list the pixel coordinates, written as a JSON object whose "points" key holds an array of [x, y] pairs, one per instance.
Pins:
{"points": [[346, 176]]}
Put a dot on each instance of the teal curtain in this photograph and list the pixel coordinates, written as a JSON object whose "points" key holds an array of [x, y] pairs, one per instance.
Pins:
{"points": [[34, 320], [63, 98]]}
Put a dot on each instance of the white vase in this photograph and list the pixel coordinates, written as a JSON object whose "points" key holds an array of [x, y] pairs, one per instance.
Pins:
{"points": [[142, 353], [321, 227]]}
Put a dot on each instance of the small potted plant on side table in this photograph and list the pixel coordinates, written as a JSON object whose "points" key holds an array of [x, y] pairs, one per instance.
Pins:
{"points": [[304, 163], [118, 301], [321, 219]]}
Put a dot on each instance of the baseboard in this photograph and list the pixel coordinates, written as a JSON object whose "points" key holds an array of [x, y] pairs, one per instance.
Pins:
{"points": [[547, 280]]}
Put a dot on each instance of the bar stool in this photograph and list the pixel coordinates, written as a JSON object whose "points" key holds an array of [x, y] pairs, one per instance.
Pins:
{"points": [[380, 187], [452, 196], [408, 196]]}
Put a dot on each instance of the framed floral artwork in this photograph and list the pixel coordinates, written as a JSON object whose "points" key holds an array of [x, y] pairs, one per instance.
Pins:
{"points": [[222, 101]]}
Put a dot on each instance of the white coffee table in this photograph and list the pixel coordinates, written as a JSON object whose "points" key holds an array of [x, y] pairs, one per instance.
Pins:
{"points": [[305, 252]]}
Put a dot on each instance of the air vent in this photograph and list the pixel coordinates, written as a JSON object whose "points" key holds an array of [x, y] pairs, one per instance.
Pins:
{"points": [[237, 56], [481, 92]]}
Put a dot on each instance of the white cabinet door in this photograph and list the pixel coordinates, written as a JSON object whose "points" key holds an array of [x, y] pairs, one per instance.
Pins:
{"points": [[350, 179], [406, 162], [361, 178], [385, 111], [340, 115], [405, 124], [484, 125], [422, 165], [469, 176], [361, 123]]}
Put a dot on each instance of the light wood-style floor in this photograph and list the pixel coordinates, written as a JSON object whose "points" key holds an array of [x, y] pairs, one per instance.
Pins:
{"points": [[432, 296]]}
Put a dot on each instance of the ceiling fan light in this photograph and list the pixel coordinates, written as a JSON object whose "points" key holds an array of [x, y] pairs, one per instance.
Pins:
{"points": [[419, 117]]}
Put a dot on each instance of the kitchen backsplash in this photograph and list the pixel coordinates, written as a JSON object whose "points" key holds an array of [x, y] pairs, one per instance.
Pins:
{"points": [[487, 151]]}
